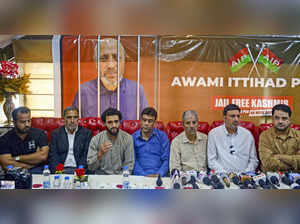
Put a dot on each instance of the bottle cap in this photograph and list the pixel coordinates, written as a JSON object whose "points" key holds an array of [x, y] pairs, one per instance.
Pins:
{"points": [[10, 166], [56, 177], [125, 167], [46, 167], [67, 178]]}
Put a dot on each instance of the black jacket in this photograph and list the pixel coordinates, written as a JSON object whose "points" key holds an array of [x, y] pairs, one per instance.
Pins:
{"points": [[59, 147]]}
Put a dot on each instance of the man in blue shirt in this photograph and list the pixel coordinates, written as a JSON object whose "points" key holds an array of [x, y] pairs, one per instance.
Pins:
{"points": [[151, 147]]}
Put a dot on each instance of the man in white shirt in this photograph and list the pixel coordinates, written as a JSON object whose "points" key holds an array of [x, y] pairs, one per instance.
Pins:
{"points": [[231, 148], [69, 143]]}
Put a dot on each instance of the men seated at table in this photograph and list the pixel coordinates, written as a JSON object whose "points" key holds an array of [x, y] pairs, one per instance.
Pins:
{"points": [[24, 146], [279, 146], [151, 147], [231, 148], [188, 149], [112, 149], [70, 143]]}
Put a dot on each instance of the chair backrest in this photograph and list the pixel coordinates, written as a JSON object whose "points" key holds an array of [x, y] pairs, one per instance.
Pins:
{"points": [[131, 126], [174, 128], [245, 124]]}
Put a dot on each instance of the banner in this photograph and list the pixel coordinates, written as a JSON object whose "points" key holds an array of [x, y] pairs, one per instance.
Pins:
{"points": [[251, 105], [202, 73]]}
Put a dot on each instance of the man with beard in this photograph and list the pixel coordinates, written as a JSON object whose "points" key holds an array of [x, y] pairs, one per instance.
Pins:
{"points": [[112, 149], [188, 149], [70, 143], [108, 85], [231, 148], [151, 147], [279, 146], [24, 146]]}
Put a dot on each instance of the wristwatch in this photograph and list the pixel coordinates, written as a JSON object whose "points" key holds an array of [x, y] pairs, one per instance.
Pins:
{"points": [[17, 158]]}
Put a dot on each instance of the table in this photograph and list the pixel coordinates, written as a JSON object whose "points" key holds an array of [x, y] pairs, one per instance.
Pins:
{"points": [[136, 182], [109, 181]]}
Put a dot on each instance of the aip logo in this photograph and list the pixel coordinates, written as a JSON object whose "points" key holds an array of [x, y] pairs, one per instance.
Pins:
{"points": [[265, 57]]}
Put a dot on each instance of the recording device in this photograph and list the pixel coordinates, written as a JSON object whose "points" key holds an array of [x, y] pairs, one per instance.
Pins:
{"points": [[273, 178], [225, 179], [176, 184], [214, 178], [202, 177], [234, 178], [192, 180], [286, 180], [295, 186], [217, 185], [261, 180], [159, 181], [17, 177], [294, 176]]}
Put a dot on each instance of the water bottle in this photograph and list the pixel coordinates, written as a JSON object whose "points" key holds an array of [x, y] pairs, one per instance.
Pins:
{"points": [[126, 184], [67, 183], [56, 183], [46, 178]]}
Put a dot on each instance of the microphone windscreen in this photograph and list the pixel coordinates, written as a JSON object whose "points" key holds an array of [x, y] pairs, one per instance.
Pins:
{"points": [[184, 180], [195, 186], [192, 180], [274, 180], [215, 179], [220, 186], [159, 181], [286, 180], [206, 181], [176, 186], [236, 180]]}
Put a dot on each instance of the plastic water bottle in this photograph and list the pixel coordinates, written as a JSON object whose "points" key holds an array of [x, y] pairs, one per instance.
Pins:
{"points": [[56, 183], [126, 183], [67, 183], [46, 178]]}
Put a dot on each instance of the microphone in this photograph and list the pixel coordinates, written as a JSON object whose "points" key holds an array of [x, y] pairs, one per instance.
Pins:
{"points": [[260, 180], [286, 180], [234, 178], [159, 181], [294, 176], [192, 180], [176, 184], [225, 179], [274, 178], [214, 179], [195, 186]]}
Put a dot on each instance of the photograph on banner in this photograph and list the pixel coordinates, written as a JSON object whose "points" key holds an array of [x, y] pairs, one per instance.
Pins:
{"points": [[259, 71], [99, 87]]}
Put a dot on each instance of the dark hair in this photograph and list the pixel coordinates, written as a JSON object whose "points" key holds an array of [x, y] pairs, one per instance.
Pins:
{"points": [[231, 107], [22, 110], [187, 112], [149, 111], [69, 109], [109, 112], [282, 107]]}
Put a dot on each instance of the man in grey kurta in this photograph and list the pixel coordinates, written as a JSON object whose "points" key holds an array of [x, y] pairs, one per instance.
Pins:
{"points": [[112, 149]]}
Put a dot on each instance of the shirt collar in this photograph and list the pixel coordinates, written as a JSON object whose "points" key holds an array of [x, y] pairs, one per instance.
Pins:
{"points": [[68, 133], [139, 133], [289, 135], [227, 133], [198, 138]]}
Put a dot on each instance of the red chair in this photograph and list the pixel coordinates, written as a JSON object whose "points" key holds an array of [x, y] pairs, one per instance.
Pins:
{"points": [[245, 124], [174, 128], [131, 126]]}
